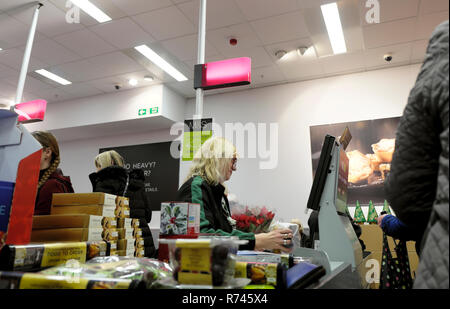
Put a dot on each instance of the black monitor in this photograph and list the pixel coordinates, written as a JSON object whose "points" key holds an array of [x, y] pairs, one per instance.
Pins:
{"points": [[321, 173]]}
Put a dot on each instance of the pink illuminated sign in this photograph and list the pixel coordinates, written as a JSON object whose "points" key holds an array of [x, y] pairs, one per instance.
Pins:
{"points": [[225, 73], [31, 111]]}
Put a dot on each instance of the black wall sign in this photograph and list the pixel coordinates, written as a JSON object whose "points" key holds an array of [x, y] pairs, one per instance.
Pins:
{"points": [[161, 170]]}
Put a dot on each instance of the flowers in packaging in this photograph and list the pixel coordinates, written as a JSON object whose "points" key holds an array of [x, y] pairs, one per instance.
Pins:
{"points": [[252, 219]]}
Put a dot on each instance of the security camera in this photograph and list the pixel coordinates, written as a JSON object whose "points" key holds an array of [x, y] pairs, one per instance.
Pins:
{"points": [[388, 57], [117, 87]]}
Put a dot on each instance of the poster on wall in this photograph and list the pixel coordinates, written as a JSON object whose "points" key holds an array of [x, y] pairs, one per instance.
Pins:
{"points": [[160, 169], [369, 152], [197, 131]]}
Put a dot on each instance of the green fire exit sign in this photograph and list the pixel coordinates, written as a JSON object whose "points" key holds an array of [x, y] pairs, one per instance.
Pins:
{"points": [[148, 111]]}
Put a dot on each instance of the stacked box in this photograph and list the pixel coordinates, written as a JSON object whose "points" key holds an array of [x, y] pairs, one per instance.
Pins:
{"points": [[179, 220], [82, 217], [131, 242]]}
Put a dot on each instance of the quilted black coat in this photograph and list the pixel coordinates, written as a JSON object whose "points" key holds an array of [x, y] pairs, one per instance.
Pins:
{"points": [[417, 187], [113, 180]]}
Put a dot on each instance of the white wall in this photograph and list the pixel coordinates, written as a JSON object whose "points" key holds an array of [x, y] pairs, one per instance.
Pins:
{"points": [[296, 107]]}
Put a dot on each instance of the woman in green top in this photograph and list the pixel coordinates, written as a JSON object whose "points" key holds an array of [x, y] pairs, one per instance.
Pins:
{"points": [[214, 164]]}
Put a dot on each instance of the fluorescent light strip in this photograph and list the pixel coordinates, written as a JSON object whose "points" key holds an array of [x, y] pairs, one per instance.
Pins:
{"points": [[333, 23], [53, 77], [91, 10], [163, 64]]}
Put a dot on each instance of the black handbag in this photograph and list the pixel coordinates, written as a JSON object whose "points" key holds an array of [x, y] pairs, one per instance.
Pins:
{"points": [[395, 272]]}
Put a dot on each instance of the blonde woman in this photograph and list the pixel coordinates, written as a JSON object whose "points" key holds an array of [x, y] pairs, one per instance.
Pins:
{"points": [[51, 178], [111, 177], [213, 164]]}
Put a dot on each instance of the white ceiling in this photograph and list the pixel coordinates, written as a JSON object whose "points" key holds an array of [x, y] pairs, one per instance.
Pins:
{"points": [[93, 57]]}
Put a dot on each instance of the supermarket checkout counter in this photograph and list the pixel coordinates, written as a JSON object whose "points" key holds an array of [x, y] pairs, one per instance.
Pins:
{"points": [[337, 248]]}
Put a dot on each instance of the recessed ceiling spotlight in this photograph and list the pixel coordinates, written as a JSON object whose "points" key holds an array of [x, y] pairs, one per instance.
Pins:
{"points": [[1, 49], [280, 54], [133, 82], [148, 78], [302, 50]]}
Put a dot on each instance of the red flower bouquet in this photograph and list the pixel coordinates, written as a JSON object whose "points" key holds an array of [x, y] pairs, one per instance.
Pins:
{"points": [[255, 219]]}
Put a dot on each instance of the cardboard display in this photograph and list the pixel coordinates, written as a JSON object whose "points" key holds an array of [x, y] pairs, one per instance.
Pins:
{"points": [[20, 156]]}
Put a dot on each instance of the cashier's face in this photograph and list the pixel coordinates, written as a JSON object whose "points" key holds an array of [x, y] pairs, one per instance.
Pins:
{"points": [[230, 168]]}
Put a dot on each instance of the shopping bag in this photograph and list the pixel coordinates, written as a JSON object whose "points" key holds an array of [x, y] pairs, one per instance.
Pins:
{"points": [[395, 272]]}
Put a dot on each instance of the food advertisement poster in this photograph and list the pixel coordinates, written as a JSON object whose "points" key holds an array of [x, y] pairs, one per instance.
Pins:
{"points": [[369, 153]]}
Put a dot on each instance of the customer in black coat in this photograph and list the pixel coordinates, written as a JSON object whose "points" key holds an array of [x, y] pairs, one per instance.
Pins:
{"points": [[111, 177]]}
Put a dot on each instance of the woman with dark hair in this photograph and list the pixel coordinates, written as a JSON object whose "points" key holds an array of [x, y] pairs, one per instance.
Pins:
{"points": [[51, 178]]}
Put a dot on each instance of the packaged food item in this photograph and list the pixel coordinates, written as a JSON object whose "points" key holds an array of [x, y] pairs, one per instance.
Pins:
{"points": [[127, 223], [126, 244], [78, 199], [38, 256], [122, 201], [67, 221], [125, 233], [96, 210], [261, 273], [180, 218], [16, 280], [71, 234], [144, 270], [203, 261], [122, 212]]}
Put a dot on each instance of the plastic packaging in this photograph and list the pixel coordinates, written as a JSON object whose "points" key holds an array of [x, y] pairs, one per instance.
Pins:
{"points": [[277, 225], [206, 261], [142, 269]]}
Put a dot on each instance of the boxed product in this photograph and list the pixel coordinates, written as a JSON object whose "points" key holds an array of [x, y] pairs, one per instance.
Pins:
{"points": [[122, 201], [260, 273], [37, 256], [122, 212], [139, 252], [205, 261], [17, 280], [137, 232], [74, 234], [78, 199], [125, 233], [127, 223], [180, 218], [126, 244], [96, 210], [68, 221]]}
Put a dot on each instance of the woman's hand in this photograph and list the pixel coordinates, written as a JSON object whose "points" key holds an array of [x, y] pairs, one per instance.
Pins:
{"points": [[276, 239], [380, 219]]}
